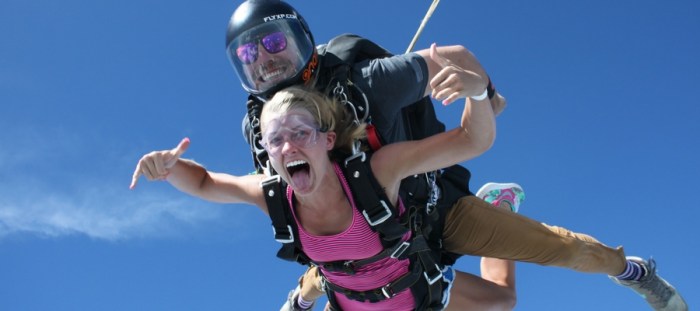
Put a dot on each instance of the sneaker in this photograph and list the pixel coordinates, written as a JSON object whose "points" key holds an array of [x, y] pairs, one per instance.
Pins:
{"points": [[660, 295], [496, 194], [291, 303]]}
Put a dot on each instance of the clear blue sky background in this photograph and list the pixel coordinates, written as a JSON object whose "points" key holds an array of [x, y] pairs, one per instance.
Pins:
{"points": [[601, 130]]}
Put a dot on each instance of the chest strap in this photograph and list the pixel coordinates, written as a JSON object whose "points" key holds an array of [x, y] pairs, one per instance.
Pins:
{"points": [[380, 293], [424, 279], [401, 250]]}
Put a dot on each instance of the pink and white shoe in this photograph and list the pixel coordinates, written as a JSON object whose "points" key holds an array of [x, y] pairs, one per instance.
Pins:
{"points": [[498, 194]]}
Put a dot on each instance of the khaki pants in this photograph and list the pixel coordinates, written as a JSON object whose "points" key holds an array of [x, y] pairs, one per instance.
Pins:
{"points": [[474, 227]]}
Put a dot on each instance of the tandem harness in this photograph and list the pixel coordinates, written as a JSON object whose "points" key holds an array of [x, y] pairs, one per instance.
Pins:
{"points": [[424, 277]]}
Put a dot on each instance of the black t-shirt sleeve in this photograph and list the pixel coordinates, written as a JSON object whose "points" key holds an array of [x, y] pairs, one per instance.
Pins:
{"points": [[391, 84]]}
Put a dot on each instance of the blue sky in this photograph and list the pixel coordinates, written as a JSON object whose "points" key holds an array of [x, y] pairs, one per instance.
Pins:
{"points": [[601, 130]]}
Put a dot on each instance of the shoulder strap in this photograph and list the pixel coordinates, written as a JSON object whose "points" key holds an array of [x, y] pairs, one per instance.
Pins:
{"points": [[283, 225], [371, 200], [350, 49]]}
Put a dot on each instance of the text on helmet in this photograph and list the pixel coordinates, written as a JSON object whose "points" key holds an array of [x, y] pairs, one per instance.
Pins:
{"points": [[278, 16]]}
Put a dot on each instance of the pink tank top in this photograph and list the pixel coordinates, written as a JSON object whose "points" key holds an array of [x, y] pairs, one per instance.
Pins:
{"points": [[358, 241]]}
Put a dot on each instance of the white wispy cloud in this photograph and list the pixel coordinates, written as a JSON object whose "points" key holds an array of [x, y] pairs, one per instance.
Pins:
{"points": [[101, 214], [42, 197]]}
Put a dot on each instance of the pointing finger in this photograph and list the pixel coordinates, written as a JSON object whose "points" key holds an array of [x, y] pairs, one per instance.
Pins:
{"points": [[176, 152], [135, 177], [436, 57], [181, 147]]}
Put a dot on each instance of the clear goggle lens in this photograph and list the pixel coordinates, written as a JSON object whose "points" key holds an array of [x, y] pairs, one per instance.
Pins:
{"points": [[294, 129]]}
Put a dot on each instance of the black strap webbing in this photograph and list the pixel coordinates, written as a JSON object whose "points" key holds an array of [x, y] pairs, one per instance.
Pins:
{"points": [[283, 224], [385, 292], [401, 250], [370, 199]]}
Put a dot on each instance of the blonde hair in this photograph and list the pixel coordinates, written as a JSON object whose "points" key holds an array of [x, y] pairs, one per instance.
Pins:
{"points": [[327, 112]]}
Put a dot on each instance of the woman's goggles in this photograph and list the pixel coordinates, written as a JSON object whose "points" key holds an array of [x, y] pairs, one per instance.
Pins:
{"points": [[294, 129], [273, 43]]}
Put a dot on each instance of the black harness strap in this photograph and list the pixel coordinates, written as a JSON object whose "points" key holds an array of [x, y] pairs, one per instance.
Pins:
{"points": [[283, 225], [381, 293], [371, 200], [425, 279], [401, 250], [433, 288]]}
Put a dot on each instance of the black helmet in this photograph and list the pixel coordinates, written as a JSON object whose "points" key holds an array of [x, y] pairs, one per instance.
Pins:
{"points": [[274, 30]]}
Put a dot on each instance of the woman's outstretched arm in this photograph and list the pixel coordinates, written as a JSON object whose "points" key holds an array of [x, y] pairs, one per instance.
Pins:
{"points": [[192, 178]]}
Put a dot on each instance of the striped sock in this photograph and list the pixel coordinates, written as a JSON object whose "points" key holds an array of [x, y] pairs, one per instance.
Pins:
{"points": [[633, 272], [303, 304]]}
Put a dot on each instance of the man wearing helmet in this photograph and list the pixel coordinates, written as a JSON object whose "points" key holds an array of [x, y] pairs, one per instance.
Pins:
{"points": [[270, 47], [270, 53]]}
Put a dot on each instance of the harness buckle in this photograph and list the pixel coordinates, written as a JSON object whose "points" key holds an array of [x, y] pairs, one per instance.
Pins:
{"points": [[270, 180], [432, 280], [349, 267], [400, 250], [285, 237], [386, 290], [382, 216], [361, 155], [324, 283]]}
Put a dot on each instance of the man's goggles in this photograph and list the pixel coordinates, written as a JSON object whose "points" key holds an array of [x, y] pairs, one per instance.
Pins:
{"points": [[273, 43]]}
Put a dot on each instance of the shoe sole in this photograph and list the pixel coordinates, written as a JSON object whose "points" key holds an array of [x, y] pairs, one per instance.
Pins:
{"points": [[486, 188]]}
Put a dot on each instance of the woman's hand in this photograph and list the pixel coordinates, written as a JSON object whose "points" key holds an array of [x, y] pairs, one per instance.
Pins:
{"points": [[156, 165], [452, 81]]}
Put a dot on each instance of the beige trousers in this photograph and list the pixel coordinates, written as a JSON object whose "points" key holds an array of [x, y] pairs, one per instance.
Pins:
{"points": [[474, 227]]}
